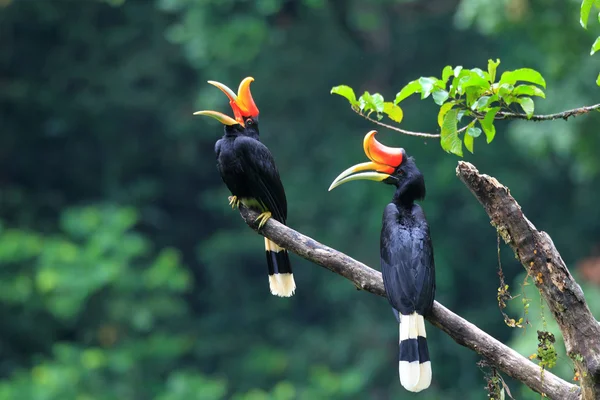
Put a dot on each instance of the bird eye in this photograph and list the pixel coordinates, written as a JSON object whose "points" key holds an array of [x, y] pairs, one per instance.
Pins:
{"points": [[249, 121]]}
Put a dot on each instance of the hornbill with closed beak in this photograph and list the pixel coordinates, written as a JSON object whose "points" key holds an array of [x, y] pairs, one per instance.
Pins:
{"points": [[407, 262], [248, 169]]}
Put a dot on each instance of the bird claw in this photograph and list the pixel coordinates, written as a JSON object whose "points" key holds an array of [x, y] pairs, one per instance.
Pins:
{"points": [[263, 218], [234, 202]]}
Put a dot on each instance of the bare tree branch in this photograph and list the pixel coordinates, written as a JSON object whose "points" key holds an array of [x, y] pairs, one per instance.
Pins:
{"points": [[542, 261], [403, 131], [499, 116], [550, 117], [462, 331]]}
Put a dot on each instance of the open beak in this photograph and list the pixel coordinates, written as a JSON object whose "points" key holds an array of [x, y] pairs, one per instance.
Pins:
{"points": [[242, 104], [222, 118], [384, 161]]}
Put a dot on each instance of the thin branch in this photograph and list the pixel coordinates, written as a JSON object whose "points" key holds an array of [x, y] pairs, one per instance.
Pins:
{"points": [[550, 117], [459, 329], [541, 260], [502, 115], [405, 132]]}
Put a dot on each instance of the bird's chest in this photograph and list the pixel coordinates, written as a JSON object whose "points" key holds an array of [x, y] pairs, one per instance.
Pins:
{"points": [[231, 167], [229, 163]]}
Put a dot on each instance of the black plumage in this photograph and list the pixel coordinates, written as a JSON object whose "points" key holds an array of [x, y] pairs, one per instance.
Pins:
{"points": [[408, 270], [248, 169], [407, 262]]}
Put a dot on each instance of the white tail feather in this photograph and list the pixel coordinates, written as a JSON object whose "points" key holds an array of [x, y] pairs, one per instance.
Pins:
{"points": [[421, 326], [408, 326], [287, 285], [424, 377], [409, 374], [403, 327], [275, 285]]}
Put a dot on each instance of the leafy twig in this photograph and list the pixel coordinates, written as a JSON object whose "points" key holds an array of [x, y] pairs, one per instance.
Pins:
{"points": [[501, 115]]}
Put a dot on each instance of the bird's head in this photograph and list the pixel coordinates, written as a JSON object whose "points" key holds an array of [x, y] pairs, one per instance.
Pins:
{"points": [[244, 109], [388, 165]]}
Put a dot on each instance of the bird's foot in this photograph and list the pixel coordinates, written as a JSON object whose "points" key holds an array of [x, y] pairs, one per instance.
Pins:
{"points": [[263, 218], [234, 202]]}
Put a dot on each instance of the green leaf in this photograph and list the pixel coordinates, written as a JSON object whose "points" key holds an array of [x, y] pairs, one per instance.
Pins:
{"points": [[528, 90], [457, 70], [505, 90], [410, 88], [595, 46], [468, 139], [492, 66], [586, 7], [447, 72], [443, 110], [598, 80], [509, 99], [523, 74], [482, 74], [450, 141], [371, 102], [473, 94], [452, 88], [377, 102], [427, 85], [347, 92], [474, 132], [481, 103], [487, 123], [439, 96], [527, 105], [472, 79], [393, 111]]}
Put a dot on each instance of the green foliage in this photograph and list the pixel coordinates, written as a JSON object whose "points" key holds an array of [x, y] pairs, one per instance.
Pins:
{"points": [[472, 93], [450, 140], [595, 46], [586, 8], [347, 92], [546, 353], [369, 103], [97, 262]]}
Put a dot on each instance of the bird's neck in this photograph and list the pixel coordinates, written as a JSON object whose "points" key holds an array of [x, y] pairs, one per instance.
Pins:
{"points": [[409, 190]]}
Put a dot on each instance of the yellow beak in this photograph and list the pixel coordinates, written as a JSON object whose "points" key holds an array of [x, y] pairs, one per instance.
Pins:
{"points": [[346, 176], [222, 118]]}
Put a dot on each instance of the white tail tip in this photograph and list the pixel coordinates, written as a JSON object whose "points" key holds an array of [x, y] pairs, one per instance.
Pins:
{"points": [[409, 374], [282, 285]]}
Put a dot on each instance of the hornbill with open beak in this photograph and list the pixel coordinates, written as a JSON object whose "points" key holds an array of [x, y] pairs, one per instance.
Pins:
{"points": [[248, 169], [406, 253]]}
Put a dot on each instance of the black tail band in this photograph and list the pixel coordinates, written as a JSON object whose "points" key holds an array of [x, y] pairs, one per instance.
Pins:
{"points": [[278, 262], [414, 350]]}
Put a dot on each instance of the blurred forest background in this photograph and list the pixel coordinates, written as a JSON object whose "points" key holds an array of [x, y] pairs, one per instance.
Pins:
{"points": [[124, 274]]}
